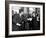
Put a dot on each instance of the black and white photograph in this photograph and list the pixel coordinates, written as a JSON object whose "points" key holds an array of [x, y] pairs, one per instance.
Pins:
{"points": [[25, 18]]}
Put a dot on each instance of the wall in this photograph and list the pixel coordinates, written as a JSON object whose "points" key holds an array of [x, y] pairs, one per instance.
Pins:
{"points": [[2, 19]]}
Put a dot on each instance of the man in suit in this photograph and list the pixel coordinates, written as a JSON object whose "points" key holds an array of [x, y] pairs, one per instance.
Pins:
{"points": [[16, 22]]}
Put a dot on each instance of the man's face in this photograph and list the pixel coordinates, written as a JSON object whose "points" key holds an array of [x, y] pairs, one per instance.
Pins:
{"points": [[33, 14], [21, 14]]}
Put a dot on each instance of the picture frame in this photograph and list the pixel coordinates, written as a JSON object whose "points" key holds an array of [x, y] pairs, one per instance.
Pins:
{"points": [[8, 23]]}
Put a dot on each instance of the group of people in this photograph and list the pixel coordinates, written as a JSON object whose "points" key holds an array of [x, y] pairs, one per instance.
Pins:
{"points": [[21, 22]]}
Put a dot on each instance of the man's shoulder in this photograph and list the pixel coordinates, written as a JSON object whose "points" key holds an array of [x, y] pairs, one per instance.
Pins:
{"points": [[16, 15]]}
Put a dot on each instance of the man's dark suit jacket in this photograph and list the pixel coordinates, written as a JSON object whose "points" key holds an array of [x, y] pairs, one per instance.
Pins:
{"points": [[15, 19]]}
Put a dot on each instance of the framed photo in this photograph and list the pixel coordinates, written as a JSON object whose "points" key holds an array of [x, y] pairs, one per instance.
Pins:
{"points": [[24, 18]]}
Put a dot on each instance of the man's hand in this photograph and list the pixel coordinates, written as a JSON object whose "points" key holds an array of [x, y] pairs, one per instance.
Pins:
{"points": [[29, 19], [18, 24]]}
